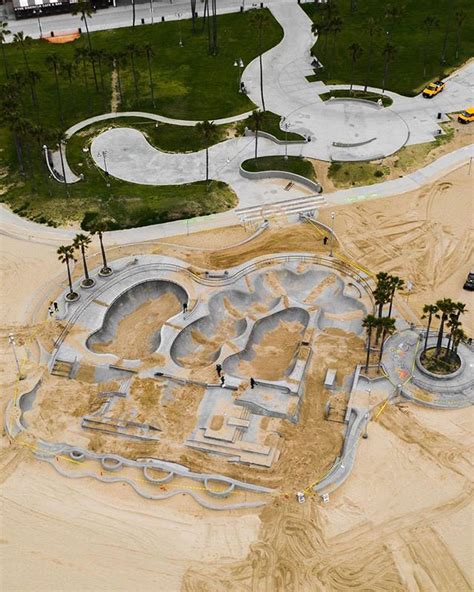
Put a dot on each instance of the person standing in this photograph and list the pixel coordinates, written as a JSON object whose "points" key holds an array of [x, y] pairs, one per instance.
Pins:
{"points": [[222, 381], [219, 370]]}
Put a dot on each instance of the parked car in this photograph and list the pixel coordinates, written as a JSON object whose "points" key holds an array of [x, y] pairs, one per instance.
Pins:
{"points": [[433, 89], [469, 283], [466, 116]]}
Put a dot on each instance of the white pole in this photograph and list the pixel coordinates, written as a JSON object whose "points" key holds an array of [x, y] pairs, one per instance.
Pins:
{"points": [[333, 215], [11, 339]]}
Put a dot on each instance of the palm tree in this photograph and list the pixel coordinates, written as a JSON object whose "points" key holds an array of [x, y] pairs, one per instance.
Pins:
{"points": [[149, 54], [461, 16], [387, 327], [373, 29], [117, 60], [260, 20], [255, 122], [322, 28], [393, 14], [133, 13], [100, 56], [458, 336], [66, 255], [61, 139], [23, 41], [33, 78], [81, 54], [369, 323], [381, 292], [430, 23], [53, 61], [208, 132], [395, 283], [335, 27], [4, 31], [81, 242], [429, 311], [389, 54], [356, 51], [99, 228], [84, 8], [70, 69], [193, 14], [132, 51], [446, 306]]}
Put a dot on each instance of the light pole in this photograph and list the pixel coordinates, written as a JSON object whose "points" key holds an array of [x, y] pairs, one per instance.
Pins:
{"points": [[333, 215], [239, 63], [11, 340], [104, 156], [37, 13], [178, 14], [151, 10], [60, 148], [286, 125]]}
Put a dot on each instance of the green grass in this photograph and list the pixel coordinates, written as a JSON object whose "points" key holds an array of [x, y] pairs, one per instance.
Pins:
{"points": [[414, 44], [189, 84], [294, 164], [353, 174], [410, 157], [357, 94]]}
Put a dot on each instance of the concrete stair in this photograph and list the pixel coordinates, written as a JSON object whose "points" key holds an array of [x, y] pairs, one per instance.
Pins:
{"points": [[62, 368]]}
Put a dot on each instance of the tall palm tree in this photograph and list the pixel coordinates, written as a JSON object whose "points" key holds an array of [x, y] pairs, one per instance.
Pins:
{"points": [[373, 29], [369, 323], [117, 61], [389, 54], [446, 306], [255, 122], [260, 21], [356, 51], [387, 326], [33, 77], [461, 16], [392, 15], [99, 228], [395, 283], [149, 54], [82, 55], [453, 324], [53, 61], [193, 14], [335, 27], [132, 51], [459, 335], [100, 55], [23, 41], [133, 13], [81, 242], [429, 311], [61, 139], [208, 132], [66, 255], [381, 292], [322, 27], [430, 23], [70, 69], [4, 32], [84, 8]]}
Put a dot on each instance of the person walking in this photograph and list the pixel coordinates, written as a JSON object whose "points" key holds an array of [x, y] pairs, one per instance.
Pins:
{"points": [[185, 307], [222, 381], [219, 370], [325, 240], [56, 307], [252, 383], [50, 310]]}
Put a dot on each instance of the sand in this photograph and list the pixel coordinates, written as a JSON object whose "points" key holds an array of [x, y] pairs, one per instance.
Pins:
{"points": [[402, 521]]}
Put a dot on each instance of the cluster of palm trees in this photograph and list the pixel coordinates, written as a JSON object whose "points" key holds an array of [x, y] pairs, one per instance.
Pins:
{"points": [[448, 312], [66, 255], [383, 325], [328, 24]]}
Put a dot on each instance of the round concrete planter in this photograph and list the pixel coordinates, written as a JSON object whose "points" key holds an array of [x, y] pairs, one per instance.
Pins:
{"points": [[111, 464], [435, 376], [72, 297], [87, 284], [223, 493], [77, 455], [149, 477], [106, 272]]}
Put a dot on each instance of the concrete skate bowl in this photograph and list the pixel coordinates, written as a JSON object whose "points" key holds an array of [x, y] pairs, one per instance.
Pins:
{"points": [[131, 328], [200, 343], [272, 346], [353, 130]]}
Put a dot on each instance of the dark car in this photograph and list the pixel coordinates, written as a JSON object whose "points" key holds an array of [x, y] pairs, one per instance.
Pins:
{"points": [[469, 283]]}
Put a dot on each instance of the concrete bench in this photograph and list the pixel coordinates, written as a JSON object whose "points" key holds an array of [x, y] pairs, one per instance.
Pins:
{"points": [[330, 378]]}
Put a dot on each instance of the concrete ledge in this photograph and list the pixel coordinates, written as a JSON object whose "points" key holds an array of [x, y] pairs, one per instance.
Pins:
{"points": [[268, 136], [316, 187]]}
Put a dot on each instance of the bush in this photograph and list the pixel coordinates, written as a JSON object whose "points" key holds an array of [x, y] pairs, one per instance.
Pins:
{"points": [[378, 173]]}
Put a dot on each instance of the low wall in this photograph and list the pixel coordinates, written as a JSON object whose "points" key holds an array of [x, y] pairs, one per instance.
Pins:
{"points": [[316, 187], [268, 136]]}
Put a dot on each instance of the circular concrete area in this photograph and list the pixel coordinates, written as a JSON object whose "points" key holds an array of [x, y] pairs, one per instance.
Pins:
{"points": [[351, 130]]}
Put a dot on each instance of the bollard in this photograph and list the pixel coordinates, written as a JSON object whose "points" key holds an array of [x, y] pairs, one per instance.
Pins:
{"points": [[261, 4], [241, 9], [440, 115], [52, 33], [162, 19], [143, 21], [80, 31]]}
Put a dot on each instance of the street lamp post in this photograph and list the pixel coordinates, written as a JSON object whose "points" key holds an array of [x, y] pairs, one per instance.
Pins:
{"points": [[178, 14], [286, 125], [37, 13], [11, 340], [333, 215], [239, 63], [60, 148], [104, 156], [151, 11]]}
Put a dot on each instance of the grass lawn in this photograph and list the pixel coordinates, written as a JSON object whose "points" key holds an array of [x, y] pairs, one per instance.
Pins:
{"points": [[188, 84], [349, 174], [294, 164], [418, 50], [357, 94]]}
